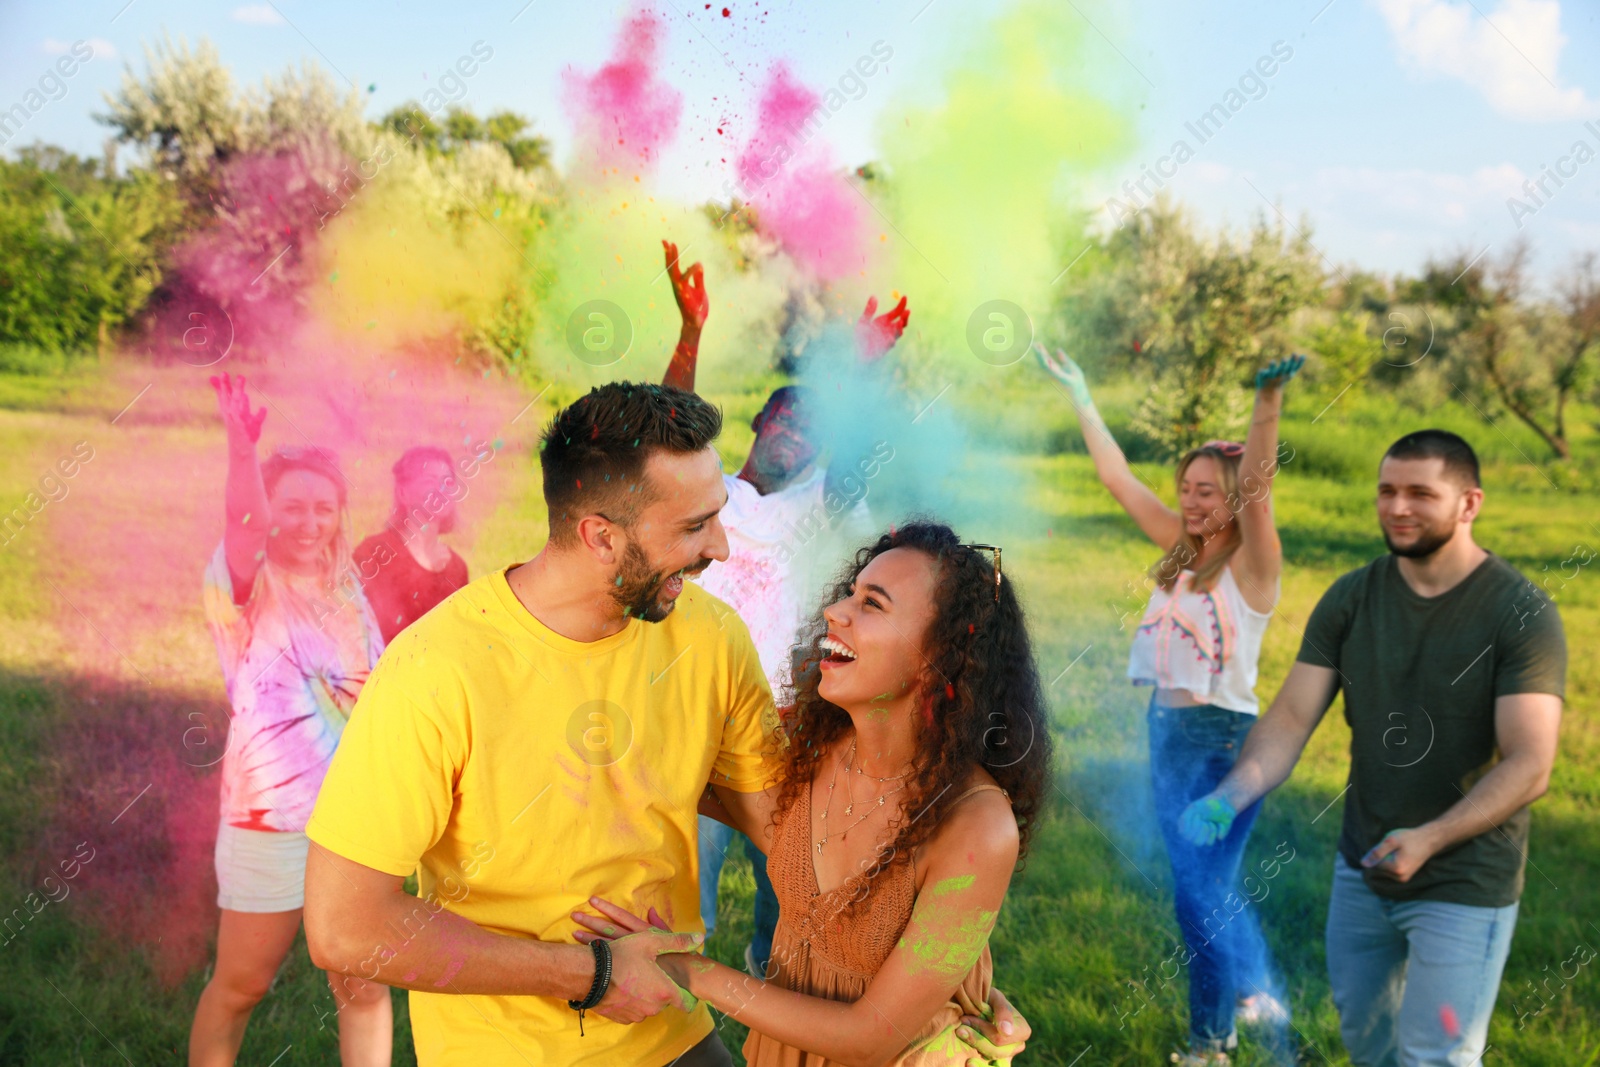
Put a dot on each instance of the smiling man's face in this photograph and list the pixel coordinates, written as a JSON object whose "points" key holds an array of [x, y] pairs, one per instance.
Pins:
{"points": [[1421, 507], [677, 534]]}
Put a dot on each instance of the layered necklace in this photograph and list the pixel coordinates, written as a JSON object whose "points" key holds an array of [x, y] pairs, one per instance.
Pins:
{"points": [[850, 802]]}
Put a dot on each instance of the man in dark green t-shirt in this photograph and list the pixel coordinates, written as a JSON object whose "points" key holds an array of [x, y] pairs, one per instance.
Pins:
{"points": [[1453, 669]]}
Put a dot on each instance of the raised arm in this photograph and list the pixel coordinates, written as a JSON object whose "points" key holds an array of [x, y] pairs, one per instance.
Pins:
{"points": [[1259, 560], [1161, 524], [352, 914], [248, 514], [689, 290], [1270, 752], [1526, 728]]}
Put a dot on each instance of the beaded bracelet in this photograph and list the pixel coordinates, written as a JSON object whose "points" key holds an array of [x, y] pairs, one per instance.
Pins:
{"points": [[602, 980]]}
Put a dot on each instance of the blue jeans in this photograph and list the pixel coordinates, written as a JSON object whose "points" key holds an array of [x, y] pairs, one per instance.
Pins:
{"points": [[1191, 751], [715, 840], [1399, 969]]}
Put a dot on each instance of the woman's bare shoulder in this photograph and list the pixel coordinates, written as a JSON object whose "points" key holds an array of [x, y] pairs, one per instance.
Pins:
{"points": [[979, 831]]}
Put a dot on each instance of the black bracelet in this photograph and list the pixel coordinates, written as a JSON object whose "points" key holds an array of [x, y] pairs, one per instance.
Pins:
{"points": [[602, 980]]}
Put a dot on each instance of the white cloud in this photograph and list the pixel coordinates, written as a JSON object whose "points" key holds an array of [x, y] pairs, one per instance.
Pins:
{"points": [[1511, 55], [1423, 196], [258, 15], [103, 49]]}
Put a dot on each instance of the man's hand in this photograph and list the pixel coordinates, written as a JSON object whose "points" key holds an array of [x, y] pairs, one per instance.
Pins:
{"points": [[1400, 854], [689, 289], [1207, 820], [875, 336], [639, 988]]}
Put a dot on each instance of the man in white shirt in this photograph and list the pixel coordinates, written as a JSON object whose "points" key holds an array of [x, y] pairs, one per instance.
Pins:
{"points": [[779, 503]]}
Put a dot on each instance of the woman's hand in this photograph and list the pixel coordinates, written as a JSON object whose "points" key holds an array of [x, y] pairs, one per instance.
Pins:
{"points": [[613, 922], [1068, 373], [1277, 374], [244, 428], [1001, 1039]]}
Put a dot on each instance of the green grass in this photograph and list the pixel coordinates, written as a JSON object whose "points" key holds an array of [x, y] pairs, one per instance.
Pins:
{"points": [[1089, 915]]}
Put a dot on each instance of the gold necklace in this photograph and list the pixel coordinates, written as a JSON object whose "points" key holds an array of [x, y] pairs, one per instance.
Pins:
{"points": [[850, 760], [849, 807]]}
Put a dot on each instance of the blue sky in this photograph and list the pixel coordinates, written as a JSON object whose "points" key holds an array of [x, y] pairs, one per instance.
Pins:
{"points": [[1399, 127]]}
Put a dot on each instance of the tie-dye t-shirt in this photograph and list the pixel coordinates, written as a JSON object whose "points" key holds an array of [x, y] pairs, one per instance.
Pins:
{"points": [[294, 661]]}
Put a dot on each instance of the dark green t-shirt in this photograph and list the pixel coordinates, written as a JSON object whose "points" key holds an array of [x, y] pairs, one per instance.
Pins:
{"points": [[1420, 676]]}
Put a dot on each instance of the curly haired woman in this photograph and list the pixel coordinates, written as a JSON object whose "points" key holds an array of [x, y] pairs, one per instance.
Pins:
{"points": [[918, 754]]}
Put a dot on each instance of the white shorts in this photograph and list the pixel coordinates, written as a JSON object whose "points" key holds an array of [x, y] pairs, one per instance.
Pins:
{"points": [[260, 870]]}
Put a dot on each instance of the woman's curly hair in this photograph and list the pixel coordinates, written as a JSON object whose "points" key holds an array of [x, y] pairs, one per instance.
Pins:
{"points": [[983, 706]]}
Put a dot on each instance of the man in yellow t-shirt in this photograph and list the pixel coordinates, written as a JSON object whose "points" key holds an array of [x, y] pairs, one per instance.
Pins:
{"points": [[543, 736]]}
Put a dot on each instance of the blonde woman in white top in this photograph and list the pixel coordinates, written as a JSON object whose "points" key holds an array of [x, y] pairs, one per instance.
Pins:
{"points": [[1198, 642]]}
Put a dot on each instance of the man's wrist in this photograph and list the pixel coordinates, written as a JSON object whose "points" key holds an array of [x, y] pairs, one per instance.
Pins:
{"points": [[1434, 836], [577, 971], [689, 334]]}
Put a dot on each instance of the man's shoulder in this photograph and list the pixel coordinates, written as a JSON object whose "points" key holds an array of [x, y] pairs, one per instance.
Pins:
{"points": [[1364, 581], [1499, 574], [458, 620]]}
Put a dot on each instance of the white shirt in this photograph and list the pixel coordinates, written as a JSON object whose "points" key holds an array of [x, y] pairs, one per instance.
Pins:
{"points": [[763, 578], [1207, 642]]}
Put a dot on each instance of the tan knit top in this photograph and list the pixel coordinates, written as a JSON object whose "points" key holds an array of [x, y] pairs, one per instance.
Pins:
{"points": [[823, 951]]}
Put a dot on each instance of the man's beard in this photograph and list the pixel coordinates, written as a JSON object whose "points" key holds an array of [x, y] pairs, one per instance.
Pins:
{"points": [[637, 585], [1429, 540]]}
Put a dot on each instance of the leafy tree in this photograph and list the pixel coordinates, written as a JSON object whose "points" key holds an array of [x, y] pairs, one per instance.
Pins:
{"points": [[1500, 345], [185, 113], [1192, 314], [505, 128], [416, 126], [461, 129], [80, 249]]}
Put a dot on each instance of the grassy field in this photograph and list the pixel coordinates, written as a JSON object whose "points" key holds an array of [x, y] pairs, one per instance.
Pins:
{"points": [[109, 686]]}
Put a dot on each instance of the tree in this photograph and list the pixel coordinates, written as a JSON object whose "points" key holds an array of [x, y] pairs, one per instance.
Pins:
{"points": [[80, 249], [505, 128], [461, 129], [183, 111], [1528, 355], [1193, 314], [186, 115]]}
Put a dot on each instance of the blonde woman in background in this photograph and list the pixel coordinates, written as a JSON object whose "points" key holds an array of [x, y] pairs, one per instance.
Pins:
{"points": [[297, 640], [1211, 595]]}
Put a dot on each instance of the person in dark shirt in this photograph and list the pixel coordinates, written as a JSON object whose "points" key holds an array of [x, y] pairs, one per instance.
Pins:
{"points": [[405, 568], [1453, 670]]}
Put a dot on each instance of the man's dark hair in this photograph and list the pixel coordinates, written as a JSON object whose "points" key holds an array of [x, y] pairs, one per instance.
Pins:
{"points": [[1460, 461], [790, 404], [594, 451]]}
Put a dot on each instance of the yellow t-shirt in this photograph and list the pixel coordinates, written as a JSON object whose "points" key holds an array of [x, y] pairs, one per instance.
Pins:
{"points": [[519, 772]]}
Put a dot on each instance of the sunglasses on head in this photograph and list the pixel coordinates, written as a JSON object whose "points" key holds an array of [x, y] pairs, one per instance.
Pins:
{"points": [[1227, 448]]}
